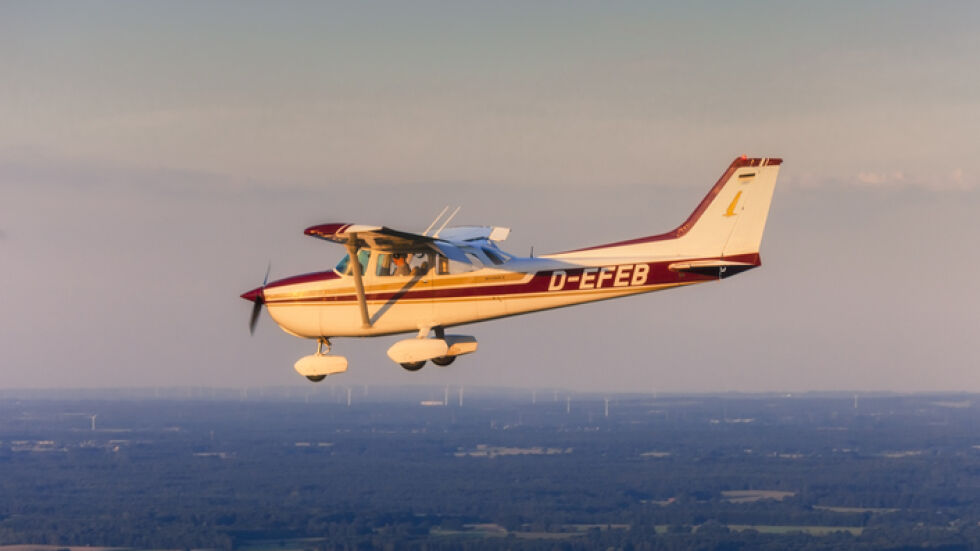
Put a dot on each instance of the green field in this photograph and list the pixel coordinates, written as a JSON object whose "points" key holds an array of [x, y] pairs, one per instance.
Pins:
{"points": [[811, 530], [855, 509]]}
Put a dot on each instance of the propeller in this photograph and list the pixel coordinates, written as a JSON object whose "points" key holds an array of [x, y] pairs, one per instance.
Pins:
{"points": [[257, 296], [256, 310]]}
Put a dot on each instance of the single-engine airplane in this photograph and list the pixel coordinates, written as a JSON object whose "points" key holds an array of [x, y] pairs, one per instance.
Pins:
{"points": [[401, 282]]}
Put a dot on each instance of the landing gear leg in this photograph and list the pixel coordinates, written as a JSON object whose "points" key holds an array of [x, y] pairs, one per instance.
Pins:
{"points": [[442, 361], [321, 343]]}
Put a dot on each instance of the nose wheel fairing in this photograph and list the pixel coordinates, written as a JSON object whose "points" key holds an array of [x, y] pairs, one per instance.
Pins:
{"points": [[316, 367]]}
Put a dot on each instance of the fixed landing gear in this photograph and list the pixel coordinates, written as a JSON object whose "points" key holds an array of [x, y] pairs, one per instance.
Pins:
{"points": [[412, 354], [322, 346], [317, 366], [321, 343]]}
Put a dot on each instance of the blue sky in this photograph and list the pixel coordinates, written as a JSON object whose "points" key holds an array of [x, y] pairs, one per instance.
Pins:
{"points": [[154, 157]]}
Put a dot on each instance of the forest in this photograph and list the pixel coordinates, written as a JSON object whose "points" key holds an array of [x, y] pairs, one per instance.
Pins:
{"points": [[359, 468]]}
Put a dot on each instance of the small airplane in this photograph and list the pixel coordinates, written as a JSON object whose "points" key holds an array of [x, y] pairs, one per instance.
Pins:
{"points": [[401, 282]]}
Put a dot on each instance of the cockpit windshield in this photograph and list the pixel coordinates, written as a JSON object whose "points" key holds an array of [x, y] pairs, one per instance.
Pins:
{"points": [[343, 267]]}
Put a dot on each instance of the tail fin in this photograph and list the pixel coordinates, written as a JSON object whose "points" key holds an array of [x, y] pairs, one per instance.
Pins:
{"points": [[729, 220]]}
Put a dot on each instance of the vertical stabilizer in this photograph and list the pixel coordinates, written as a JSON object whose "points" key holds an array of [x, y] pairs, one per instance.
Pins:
{"points": [[732, 222], [729, 221]]}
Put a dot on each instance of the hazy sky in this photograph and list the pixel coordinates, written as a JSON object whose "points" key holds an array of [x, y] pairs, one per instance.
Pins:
{"points": [[155, 156]]}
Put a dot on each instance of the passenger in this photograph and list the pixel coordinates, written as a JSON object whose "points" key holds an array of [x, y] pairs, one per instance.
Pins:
{"points": [[401, 267]]}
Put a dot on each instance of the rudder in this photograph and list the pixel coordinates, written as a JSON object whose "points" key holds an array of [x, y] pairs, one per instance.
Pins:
{"points": [[731, 219]]}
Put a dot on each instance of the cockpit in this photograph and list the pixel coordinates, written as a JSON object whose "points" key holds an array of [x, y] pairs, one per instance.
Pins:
{"points": [[420, 263]]}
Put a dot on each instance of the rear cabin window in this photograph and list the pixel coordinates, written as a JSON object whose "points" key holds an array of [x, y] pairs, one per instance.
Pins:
{"points": [[493, 256], [446, 266], [421, 263]]}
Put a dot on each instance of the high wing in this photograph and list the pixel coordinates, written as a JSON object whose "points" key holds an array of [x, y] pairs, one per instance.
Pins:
{"points": [[382, 238], [474, 233]]}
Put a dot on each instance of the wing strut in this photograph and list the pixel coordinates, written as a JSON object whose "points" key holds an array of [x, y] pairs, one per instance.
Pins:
{"points": [[358, 282]]}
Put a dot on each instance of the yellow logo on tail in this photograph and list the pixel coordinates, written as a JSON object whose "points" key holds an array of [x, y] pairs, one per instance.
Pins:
{"points": [[731, 207]]}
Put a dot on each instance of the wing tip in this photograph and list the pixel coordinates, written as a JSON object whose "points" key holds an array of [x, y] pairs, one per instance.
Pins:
{"points": [[325, 231]]}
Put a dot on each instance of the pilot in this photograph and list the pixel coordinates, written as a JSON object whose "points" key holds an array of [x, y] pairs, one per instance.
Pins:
{"points": [[401, 267]]}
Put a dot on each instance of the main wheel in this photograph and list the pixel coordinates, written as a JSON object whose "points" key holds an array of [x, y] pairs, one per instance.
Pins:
{"points": [[443, 361], [316, 378], [413, 366]]}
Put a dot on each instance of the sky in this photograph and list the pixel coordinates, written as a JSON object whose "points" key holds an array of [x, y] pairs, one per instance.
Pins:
{"points": [[156, 156]]}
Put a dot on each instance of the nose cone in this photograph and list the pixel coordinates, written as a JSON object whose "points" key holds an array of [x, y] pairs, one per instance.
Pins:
{"points": [[255, 295]]}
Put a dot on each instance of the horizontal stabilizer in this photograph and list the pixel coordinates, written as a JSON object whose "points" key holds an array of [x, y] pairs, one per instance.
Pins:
{"points": [[717, 268]]}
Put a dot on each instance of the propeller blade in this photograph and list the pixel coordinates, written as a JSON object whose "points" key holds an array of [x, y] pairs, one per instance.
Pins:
{"points": [[256, 296], [256, 310]]}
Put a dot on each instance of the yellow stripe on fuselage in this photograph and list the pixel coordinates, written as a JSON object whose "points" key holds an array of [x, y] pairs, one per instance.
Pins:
{"points": [[613, 291]]}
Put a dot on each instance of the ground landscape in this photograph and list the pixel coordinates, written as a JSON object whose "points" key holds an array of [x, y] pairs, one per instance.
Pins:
{"points": [[332, 467]]}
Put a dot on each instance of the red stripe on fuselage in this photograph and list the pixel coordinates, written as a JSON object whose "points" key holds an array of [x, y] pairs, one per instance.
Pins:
{"points": [[658, 274]]}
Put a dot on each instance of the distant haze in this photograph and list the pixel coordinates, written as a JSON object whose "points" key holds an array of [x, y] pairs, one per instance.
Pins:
{"points": [[154, 157]]}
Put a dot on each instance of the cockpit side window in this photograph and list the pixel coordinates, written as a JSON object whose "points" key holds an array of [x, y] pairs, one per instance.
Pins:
{"points": [[363, 256], [384, 266], [420, 263], [344, 267], [400, 266], [341, 267]]}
